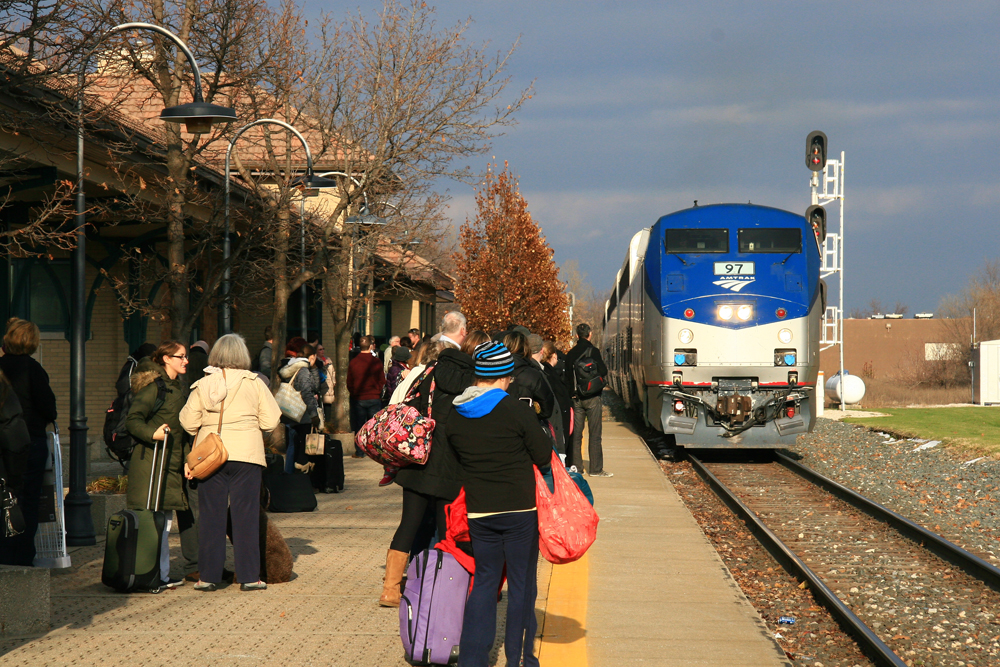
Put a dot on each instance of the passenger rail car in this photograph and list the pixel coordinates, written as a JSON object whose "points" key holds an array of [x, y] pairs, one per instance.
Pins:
{"points": [[713, 326]]}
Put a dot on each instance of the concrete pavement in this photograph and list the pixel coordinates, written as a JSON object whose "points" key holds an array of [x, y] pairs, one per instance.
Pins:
{"points": [[651, 591]]}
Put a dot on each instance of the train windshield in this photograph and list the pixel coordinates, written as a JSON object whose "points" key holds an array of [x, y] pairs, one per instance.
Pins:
{"points": [[781, 239], [697, 240]]}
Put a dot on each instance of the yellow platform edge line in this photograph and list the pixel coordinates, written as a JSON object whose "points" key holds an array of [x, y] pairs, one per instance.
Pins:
{"points": [[564, 631]]}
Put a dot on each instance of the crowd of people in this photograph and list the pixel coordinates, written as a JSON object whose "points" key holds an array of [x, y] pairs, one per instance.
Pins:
{"points": [[502, 402]]}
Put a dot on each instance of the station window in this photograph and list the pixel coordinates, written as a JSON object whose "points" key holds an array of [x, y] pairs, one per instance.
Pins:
{"points": [[40, 293], [781, 239], [697, 240]]}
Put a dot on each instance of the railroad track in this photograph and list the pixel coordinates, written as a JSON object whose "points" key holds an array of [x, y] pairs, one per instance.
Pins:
{"points": [[905, 594]]}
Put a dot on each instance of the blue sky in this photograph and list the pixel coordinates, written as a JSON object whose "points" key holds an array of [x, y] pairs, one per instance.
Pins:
{"points": [[641, 107]]}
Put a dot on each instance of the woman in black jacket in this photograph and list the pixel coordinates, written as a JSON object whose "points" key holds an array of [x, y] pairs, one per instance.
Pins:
{"points": [[431, 486], [497, 439], [38, 403], [527, 380], [14, 448]]}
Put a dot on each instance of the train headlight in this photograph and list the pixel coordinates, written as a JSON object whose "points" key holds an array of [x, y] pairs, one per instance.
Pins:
{"points": [[725, 312], [744, 312], [785, 336], [685, 336]]}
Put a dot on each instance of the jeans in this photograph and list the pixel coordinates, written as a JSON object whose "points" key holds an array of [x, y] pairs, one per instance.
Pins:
{"points": [[589, 408], [510, 538], [362, 411]]}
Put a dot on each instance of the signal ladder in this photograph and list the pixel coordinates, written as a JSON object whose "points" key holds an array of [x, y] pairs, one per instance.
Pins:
{"points": [[832, 329]]}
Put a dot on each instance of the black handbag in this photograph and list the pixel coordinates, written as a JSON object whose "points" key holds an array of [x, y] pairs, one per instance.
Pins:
{"points": [[13, 519]]}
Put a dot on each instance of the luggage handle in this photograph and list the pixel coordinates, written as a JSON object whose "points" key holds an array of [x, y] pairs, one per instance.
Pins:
{"points": [[152, 471]]}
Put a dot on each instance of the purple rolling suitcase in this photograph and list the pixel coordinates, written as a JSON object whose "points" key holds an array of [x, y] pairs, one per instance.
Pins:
{"points": [[432, 607]]}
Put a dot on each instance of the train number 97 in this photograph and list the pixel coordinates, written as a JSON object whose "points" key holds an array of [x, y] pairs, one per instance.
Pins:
{"points": [[734, 268]]}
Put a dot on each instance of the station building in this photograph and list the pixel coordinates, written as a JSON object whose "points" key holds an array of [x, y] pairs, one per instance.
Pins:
{"points": [[38, 174]]}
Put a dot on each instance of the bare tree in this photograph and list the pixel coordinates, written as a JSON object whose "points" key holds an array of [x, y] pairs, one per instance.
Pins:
{"points": [[409, 100]]}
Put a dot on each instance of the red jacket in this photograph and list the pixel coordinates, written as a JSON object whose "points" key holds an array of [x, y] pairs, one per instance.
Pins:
{"points": [[365, 377]]}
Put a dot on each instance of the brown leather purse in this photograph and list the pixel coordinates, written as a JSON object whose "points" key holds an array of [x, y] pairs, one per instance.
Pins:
{"points": [[208, 455]]}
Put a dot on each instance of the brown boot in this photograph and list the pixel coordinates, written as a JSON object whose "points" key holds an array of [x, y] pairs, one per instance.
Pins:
{"points": [[395, 565]]}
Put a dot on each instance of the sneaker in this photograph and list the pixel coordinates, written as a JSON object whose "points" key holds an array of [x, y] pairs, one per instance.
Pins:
{"points": [[205, 586], [172, 583], [255, 586], [194, 577], [603, 473], [153, 591]]}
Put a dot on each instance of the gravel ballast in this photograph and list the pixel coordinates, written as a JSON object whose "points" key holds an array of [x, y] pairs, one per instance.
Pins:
{"points": [[945, 490]]}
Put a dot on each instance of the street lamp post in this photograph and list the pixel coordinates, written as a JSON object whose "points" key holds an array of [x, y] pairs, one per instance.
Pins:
{"points": [[311, 181], [198, 116]]}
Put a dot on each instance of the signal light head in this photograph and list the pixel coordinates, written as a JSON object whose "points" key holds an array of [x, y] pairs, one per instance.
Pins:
{"points": [[685, 336], [816, 151], [725, 312], [678, 406], [689, 313], [785, 336], [744, 312], [781, 313], [790, 412]]}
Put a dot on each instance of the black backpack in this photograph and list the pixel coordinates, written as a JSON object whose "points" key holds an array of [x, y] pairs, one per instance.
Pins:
{"points": [[117, 440], [589, 382]]}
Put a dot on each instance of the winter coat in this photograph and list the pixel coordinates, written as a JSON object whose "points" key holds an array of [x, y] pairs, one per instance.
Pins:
{"points": [[328, 383], [197, 361], [564, 401], [306, 382], [529, 383], [496, 439], [365, 378], [264, 359], [249, 408], [441, 476], [141, 423], [31, 384], [394, 377], [14, 440], [582, 345]]}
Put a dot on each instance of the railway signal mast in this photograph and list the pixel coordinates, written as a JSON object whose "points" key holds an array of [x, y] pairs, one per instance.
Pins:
{"points": [[831, 243]]}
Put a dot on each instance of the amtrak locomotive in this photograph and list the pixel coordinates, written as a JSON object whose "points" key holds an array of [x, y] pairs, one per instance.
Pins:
{"points": [[713, 326]]}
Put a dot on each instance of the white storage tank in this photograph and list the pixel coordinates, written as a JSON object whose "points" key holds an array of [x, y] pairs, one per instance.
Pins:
{"points": [[986, 373], [854, 388]]}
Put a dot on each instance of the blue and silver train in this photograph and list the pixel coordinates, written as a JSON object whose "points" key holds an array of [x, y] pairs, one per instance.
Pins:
{"points": [[713, 326]]}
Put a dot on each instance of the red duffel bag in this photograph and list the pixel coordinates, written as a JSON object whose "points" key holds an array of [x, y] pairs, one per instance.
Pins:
{"points": [[567, 523]]}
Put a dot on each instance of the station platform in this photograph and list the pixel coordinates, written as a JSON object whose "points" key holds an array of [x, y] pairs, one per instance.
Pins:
{"points": [[650, 591]]}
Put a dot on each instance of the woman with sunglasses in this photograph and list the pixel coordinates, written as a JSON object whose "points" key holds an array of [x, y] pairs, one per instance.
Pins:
{"points": [[157, 398]]}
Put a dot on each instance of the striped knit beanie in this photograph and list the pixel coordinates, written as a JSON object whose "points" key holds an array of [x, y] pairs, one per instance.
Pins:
{"points": [[493, 360]]}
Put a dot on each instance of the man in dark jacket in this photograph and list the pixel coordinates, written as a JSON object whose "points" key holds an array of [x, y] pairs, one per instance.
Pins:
{"points": [[365, 379], [586, 406]]}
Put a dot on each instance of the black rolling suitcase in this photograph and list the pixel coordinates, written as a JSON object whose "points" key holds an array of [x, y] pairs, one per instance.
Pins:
{"points": [[327, 474], [289, 492], [134, 539]]}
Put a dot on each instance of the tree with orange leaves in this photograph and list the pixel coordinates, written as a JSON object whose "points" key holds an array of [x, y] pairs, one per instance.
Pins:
{"points": [[506, 273]]}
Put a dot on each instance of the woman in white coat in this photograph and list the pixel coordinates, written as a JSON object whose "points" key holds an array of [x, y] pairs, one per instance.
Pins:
{"points": [[247, 409]]}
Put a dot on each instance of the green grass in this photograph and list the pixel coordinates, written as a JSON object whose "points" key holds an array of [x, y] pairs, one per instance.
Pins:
{"points": [[976, 429]]}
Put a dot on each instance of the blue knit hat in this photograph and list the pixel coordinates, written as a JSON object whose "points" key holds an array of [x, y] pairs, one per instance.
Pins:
{"points": [[493, 360]]}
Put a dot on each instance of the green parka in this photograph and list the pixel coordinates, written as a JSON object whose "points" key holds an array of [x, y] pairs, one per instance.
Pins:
{"points": [[142, 423]]}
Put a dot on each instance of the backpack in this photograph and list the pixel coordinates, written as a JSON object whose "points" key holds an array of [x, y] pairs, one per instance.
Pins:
{"points": [[117, 440], [589, 382]]}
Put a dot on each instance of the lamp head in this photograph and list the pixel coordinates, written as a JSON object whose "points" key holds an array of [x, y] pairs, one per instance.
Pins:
{"points": [[198, 117]]}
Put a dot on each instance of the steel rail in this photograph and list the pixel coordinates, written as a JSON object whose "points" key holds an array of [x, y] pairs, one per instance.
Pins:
{"points": [[939, 546], [868, 641]]}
